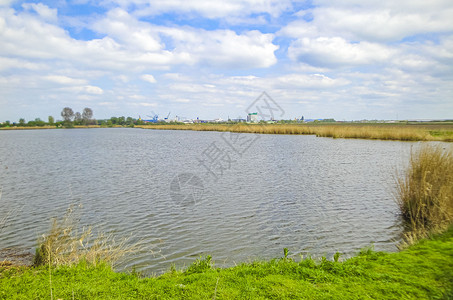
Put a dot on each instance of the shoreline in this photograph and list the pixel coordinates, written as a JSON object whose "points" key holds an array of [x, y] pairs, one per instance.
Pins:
{"points": [[378, 131], [423, 270]]}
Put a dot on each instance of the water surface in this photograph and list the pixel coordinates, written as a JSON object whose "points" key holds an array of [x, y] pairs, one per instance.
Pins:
{"points": [[311, 195]]}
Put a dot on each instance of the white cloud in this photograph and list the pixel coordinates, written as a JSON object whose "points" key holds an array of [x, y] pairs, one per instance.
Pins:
{"points": [[382, 24], [7, 63], [336, 51], [312, 81], [6, 2], [352, 59], [224, 48], [208, 9], [42, 10], [93, 90], [65, 80], [128, 31], [220, 48], [148, 78], [373, 20]]}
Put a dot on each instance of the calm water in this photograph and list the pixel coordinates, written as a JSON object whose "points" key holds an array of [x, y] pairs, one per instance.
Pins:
{"points": [[248, 196]]}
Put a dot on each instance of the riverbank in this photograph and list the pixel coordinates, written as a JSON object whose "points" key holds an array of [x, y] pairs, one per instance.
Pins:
{"points": [[401, 132], [47, 127], [424, 270]]}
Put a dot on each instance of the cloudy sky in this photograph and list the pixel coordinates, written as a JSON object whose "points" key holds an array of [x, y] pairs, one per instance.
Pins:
{"points": [[352, 60]]}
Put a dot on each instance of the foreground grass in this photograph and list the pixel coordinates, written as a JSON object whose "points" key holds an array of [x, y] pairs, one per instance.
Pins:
{"points": [[425, 270], [428, 132]]}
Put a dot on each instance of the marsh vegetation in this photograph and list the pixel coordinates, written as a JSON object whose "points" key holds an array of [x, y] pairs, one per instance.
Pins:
{"points": [[425, 191], [431, 132]]}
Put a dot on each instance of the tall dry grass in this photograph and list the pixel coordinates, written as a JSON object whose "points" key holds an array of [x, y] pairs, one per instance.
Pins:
{"points": [[65, 244], [357, 131], [425, 192]]}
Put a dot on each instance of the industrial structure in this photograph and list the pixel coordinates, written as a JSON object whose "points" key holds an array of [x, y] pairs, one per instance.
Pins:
{"points": [[252, 117]]}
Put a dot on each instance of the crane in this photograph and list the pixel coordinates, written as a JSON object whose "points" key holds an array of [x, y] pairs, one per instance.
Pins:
{"points": [[154, 117]]}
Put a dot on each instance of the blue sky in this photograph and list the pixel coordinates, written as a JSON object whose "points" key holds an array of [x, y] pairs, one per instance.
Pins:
{"points": [[348, 60]]}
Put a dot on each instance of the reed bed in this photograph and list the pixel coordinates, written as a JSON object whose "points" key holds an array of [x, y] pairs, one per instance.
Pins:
{"points": [[425, 192], [66, 245], [366, 131]]}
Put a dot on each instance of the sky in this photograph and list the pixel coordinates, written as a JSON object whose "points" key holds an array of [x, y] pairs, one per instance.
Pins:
{"points": [[348, 60]]}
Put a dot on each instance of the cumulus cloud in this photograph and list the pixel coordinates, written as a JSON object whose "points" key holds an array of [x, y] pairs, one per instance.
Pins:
{"points": [[208, 9], [128, 31], [42, 10], [220, 48], [225, 48], [373, 21], [335, 59], [382, 24], [336, 51], [65, 80], [149, 78]]}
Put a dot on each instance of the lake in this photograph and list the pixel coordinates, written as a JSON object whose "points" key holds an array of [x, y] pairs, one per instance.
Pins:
{"points": [[183, 194]]}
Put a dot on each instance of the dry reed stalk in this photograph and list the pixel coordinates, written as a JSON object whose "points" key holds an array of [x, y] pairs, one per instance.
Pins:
{"points": [[381, 132], [65, 245], [425, 192]]}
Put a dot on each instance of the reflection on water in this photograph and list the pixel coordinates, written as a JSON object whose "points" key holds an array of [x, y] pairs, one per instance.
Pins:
{"points": [[311, 195]]}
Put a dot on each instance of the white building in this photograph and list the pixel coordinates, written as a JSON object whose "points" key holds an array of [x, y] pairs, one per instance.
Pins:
{"points": [[252, 117]]}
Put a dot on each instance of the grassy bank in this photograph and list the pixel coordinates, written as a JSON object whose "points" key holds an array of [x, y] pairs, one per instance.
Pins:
{"points": [[425, 270], [402, 132]]}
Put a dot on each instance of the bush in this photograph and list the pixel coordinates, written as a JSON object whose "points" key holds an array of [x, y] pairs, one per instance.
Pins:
{"points": [[425, 191]]}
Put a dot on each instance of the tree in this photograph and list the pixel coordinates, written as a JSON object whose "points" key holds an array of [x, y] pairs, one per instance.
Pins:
{"points": [[51, 120], [67, 114], [77, 118], [39, 122], [87, 115], [21, 122]]}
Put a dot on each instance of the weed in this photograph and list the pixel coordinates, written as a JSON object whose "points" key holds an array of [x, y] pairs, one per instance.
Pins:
{"points": [[65, 245], [425, 192], [200, 265]]}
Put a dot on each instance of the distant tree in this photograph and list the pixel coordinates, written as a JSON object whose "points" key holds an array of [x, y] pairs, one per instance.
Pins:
{"points": [[21, 122], [51, 120], [67, 114], [87, 115], [39, 122], [114, 120], [77, 118]]}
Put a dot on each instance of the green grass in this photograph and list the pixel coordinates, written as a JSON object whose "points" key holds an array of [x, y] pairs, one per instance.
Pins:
{"points": [[422, 271]]}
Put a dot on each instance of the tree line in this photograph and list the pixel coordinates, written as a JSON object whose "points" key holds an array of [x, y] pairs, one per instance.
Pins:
{"points": [[71, 119]]}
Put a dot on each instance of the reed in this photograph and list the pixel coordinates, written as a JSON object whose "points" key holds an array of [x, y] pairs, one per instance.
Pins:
{"points": [[425, 192], [356, 131], [66, 245]]}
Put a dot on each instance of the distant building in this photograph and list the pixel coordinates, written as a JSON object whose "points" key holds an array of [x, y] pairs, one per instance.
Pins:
{"points": [[252, 117]]}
